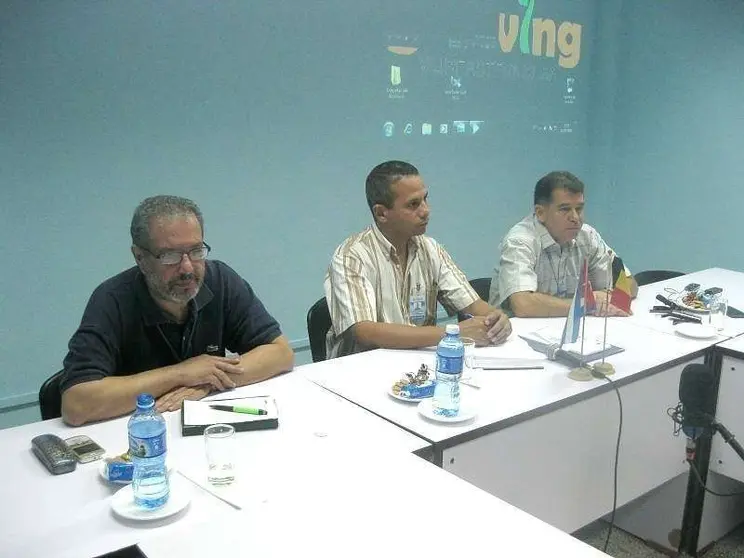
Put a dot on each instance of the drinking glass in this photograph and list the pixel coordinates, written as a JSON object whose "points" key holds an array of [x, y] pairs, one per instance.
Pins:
{"points": [[219, 440], [469, 355], [717, 316]]}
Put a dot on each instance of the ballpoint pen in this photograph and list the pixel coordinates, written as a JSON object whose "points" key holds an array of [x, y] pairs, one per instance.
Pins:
{"points": [[678, 317], [237, 409]]}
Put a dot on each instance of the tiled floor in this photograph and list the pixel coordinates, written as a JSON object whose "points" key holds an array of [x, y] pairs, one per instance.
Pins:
{"points": [[625, 545]]}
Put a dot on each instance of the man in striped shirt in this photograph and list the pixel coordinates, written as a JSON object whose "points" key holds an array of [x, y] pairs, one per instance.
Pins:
{"points": [[383, 284]]}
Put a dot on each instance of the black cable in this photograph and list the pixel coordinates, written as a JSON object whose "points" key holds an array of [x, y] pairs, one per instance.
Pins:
{"points": [[675, 413], [702, 484], [598, 374]]}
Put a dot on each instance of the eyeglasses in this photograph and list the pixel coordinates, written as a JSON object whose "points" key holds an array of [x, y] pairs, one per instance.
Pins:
{"points": [[174, 257]]}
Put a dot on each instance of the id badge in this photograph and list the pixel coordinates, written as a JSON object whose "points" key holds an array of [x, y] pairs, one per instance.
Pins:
{"points": [[417, 308]]}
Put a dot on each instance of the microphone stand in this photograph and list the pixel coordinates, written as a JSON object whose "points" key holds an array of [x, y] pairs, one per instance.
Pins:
{"points": [[693, 510], [729, 438]]}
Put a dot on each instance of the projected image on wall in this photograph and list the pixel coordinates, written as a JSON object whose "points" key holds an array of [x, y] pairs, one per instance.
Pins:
{"points": [[509, 72]]}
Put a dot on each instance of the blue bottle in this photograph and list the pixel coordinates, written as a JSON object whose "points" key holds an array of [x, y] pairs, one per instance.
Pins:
{"points": [[147, 448], [450, 356]]}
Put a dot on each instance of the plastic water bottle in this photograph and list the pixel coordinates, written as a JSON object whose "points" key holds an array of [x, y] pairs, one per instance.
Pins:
{"points": [[147, 448], [450, 356]]}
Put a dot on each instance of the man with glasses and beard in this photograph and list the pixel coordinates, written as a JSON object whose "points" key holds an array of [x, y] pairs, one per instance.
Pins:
{"points": [[176, 325]]}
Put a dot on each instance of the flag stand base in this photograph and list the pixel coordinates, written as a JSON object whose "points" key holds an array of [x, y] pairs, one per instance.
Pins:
{"points": [[581, 374], [604, 368]]}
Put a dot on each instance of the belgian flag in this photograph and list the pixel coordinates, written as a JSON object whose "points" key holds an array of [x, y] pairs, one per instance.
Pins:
{"points": [[622, 284]]}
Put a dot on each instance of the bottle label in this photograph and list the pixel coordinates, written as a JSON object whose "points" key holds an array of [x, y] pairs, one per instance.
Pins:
{"points": [[449, 364], [147, 447]]}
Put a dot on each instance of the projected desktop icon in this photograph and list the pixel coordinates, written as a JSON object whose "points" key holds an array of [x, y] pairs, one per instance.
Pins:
{"points": [[402, 45], [459, 126], [395, 75], [455, 82], [475, 125], [425, 129], [388, 129], [444, 128], [569, 96], [408, 130]]}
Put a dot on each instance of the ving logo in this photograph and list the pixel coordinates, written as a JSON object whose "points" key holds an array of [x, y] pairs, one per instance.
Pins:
{"points": [[545, 37]]}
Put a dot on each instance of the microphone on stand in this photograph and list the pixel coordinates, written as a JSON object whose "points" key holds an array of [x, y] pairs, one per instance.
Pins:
{"points": [[698, 398], [695, 412]]}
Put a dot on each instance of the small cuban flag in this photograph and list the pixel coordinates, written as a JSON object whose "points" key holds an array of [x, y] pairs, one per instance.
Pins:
{"points": [[583, 303]]}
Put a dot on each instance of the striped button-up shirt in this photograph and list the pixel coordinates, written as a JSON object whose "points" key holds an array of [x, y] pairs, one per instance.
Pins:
{"points": [[367, 282], [531, 260]]}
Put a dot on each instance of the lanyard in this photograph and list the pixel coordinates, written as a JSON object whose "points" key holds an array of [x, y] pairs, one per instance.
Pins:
{"points": [[560, 286]]}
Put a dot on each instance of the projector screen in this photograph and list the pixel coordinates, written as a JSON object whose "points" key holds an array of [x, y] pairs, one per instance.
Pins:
{"points": [[433, 78], [484, 74]]}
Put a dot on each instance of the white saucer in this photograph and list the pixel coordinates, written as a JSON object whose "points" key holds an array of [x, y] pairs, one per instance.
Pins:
{"points": [[696, 331], [425, 410], [391, 393], [180, 495]]}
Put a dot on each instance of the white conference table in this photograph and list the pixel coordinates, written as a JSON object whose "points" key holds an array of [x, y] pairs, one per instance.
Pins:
{"points": [[732, 282], [541, 441], [46, 515], [658, 516], [399, 506], [332, 478], [729, 410]]}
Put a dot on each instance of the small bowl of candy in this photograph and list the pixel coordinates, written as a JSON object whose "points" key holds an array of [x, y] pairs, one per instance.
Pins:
{"points": [[414, 387]]}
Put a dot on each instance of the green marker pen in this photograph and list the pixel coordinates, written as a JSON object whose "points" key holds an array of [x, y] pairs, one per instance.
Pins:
{"points": [[236, 409]]}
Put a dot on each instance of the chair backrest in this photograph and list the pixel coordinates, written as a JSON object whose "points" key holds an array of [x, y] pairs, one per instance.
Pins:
{"points": [[50, 397], [482, 286], [654, 275], [318, 324]]}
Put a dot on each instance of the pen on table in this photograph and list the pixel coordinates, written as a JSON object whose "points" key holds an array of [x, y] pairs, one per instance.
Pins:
{"points": [[469, 382], [236, 409], [514, 367]]}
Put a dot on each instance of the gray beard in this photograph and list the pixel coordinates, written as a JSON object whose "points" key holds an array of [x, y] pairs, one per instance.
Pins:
{"points": [[162, 291], [182, 298]]}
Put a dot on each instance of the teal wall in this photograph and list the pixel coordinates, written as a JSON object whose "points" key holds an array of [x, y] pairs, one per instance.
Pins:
{"points": [[268, 115], [673, 175]]}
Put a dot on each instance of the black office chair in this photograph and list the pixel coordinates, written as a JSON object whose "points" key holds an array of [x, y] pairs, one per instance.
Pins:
{"points": [[318, 324], [50, 397], [482, 287], [655, 275]]}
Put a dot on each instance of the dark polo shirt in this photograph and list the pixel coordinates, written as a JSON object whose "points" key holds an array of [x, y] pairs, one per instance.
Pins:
{"points": [[123, 331]]}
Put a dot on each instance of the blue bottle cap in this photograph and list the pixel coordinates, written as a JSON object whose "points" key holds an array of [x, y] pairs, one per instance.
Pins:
{"points": [[145, 401]]}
